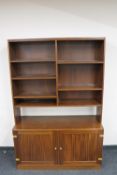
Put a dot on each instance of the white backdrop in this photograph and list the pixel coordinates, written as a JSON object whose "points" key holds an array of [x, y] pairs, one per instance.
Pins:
{"points": [[63, 18]]}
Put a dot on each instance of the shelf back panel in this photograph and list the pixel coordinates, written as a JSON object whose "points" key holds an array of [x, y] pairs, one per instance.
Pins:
{"points": [[33, 69], [34, 102], [81, 50], [80, 75], [33, 50], [34, 88]]}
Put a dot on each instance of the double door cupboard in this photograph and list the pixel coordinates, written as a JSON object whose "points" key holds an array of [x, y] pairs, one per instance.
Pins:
{"points": [[64, 72], [59, 145]]}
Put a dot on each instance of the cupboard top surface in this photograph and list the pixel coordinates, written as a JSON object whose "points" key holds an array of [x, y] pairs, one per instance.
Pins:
{"points": [[58, 123]]}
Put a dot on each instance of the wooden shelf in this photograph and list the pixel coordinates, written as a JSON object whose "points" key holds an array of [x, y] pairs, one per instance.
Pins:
{"points": [[35, 102], [43, 70], [34, 97], [34, 77], [79, 102], [41, 89], [80, 51], [68, 102], [31, 60], [80, 75], [58, 122], [80, 88], [62, 61]]}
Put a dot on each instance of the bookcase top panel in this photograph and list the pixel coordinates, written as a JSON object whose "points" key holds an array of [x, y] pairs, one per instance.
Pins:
{"points": [[59, 39]]}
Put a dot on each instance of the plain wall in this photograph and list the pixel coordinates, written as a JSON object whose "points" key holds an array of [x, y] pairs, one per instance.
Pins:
{"points": [[63, 18]]}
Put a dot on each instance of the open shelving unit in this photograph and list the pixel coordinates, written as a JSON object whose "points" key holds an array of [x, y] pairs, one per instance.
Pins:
{"points": [[63, 72]]}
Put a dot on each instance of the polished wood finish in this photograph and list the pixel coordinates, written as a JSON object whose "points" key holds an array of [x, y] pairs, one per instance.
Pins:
{"points": [[35, 88], [80, 75], [32, 51], [51, 141], [80, 98], [33, 71], [84, 50], [57, 72], [79, 147], [79, 62], [49, 66], [32, 143], [52, 149], [83, 122], [34, 102]]}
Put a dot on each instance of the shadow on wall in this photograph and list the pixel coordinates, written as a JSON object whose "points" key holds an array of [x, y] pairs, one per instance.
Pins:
{"points": [[104, 12]]}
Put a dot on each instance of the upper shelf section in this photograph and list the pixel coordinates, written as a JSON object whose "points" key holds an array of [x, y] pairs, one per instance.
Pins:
{"points": [[32, 51], [84, 51], [79, 62], [69, 50], [57, 72]]}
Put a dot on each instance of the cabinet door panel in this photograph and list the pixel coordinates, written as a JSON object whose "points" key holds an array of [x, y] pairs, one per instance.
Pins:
{"points": [[85, 147], [36, 146], [66, 143], [79, 147], [68, 147]]}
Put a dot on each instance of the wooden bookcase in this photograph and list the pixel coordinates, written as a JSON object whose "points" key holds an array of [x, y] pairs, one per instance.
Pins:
{"points": [[57, 72]]}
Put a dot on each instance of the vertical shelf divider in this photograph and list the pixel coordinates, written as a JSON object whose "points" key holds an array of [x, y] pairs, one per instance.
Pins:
{"points": [[56, 57], [99, 113]]}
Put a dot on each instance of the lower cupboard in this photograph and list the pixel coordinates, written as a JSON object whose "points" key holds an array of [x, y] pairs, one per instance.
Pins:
{"points": [[58, 149]]}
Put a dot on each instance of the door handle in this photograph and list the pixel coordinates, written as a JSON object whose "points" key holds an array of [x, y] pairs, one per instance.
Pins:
{"points": [[60, 148], [55, 148]]}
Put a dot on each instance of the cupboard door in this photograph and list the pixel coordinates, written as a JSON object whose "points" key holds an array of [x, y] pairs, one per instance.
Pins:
{"points": [[80, 147], [35, 147]]}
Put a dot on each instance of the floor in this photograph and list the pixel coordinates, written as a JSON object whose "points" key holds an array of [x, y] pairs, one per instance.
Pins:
{"points": [[109, 167]]}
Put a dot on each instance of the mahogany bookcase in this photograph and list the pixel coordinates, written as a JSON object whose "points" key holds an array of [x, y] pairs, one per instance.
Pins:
{"points": [[66, 72]]}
